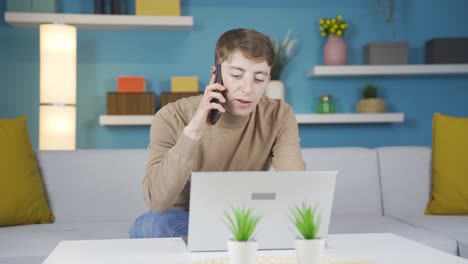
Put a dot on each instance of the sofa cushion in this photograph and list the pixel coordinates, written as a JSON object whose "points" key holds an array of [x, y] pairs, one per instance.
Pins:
{"points": [[455, 227], [463, 249], [22, 192], [375, 224], [357, 167], [405, 174], [33, 243], [449, 166], [94, 185]]}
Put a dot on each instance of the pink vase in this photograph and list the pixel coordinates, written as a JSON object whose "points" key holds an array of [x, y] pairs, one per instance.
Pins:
{"points": [[335, 51]]}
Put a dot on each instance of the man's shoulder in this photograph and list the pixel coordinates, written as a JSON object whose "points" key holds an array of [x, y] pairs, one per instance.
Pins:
{"points": [[184, 107]]}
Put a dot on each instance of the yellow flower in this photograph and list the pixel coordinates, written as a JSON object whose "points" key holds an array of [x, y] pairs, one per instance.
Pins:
{"points": [[334, 25]]}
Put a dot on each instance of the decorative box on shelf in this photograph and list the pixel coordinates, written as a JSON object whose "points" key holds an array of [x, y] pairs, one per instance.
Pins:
{"points": [[131, 84], [157, 7], [446, 51], [131, 103], [43, 6], [184, 84], [385, 53], [172, 97]]}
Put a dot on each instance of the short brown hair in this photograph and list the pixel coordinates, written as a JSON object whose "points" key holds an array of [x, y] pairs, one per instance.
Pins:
{"points": [[250, 43]]}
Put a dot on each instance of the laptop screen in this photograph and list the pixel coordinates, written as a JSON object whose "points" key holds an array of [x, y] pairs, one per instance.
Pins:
{"points": [[269, 193]]}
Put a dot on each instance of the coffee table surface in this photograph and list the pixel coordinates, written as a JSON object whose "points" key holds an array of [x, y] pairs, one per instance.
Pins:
{"points": [[377, 248]]}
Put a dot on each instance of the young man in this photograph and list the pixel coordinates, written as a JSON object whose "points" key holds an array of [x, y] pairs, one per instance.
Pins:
{"points": [[252, 134]]}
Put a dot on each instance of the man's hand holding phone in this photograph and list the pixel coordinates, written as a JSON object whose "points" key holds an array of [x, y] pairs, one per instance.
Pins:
{"points": [[201, 118]]}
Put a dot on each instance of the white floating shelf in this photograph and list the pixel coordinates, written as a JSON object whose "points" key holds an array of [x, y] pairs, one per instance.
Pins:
{"points": [[91, 21], [125, 120], [368, 70], [132, 120], [349, 118]]}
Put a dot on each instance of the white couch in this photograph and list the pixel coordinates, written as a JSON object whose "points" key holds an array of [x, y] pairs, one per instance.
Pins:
{"points": [[96, 194]]}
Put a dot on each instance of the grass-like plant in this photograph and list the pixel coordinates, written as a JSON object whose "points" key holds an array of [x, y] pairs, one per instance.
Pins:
{"points": [[242, 223], [306, 220], [369, 91], [283, 52]]}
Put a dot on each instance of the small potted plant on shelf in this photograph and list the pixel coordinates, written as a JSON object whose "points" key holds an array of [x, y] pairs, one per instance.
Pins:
{"points": [[309, 247], [283, 53], [370, 103], [242, 249]]}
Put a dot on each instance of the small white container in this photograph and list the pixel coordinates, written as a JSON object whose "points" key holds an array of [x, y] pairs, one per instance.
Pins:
{"points": [[242, 252], [310, 251], [275, 90]]}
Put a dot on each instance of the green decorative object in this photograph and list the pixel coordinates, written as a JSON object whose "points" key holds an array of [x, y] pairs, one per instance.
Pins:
{"points": [[326, 104]]}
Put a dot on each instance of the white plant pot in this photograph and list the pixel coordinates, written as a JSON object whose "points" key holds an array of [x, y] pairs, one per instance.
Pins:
{"points": [[275, 90], [240, 252], [310, 251]]}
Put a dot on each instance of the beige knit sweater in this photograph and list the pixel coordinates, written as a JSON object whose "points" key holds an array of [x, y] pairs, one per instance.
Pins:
{"points": [[268, 136]]}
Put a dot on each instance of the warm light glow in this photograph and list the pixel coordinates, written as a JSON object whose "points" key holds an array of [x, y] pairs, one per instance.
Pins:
{"points": [[57, 64], [57, 113], [57, 127]]}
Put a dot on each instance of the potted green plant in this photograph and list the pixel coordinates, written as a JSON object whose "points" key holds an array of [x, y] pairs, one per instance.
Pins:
{"points": [[283, 52], [242, 249], [370, 103], [309, 247]]}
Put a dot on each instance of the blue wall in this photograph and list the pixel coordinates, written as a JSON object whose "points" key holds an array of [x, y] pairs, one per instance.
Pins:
{"points": [[158, 55]]}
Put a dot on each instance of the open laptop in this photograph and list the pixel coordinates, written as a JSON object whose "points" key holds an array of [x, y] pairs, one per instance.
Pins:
{"points": [[269, 193]]}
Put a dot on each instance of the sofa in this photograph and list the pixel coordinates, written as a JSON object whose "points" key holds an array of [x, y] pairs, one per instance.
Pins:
{"points": [[97, 194]]}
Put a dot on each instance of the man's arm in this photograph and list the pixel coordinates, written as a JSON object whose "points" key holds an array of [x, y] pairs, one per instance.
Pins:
{"points": [[172, 153], [170, 164], [286, 151]]}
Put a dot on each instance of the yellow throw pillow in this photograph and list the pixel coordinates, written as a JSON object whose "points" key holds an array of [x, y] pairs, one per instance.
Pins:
{"points": [[449, 166], [22, 199]]}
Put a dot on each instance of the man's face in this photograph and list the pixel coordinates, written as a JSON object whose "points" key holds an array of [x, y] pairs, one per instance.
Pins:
{"points": [[245, 81]]}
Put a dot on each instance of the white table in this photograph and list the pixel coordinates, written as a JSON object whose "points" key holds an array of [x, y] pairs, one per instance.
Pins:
{"points": [[379, 248]]}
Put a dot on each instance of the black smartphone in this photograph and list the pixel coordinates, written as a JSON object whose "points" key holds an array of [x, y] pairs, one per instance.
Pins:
{"points": [[215, 114]]}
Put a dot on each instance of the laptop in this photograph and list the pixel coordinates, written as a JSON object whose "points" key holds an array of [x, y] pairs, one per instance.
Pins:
{"points": [[269, 193]]}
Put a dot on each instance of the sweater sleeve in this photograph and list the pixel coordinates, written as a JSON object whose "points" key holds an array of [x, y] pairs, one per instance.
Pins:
{"points": [[171, 159], [286, 151]]}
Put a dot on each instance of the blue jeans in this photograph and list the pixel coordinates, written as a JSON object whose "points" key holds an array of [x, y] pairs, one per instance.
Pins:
{"points": [[172, 223]]}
